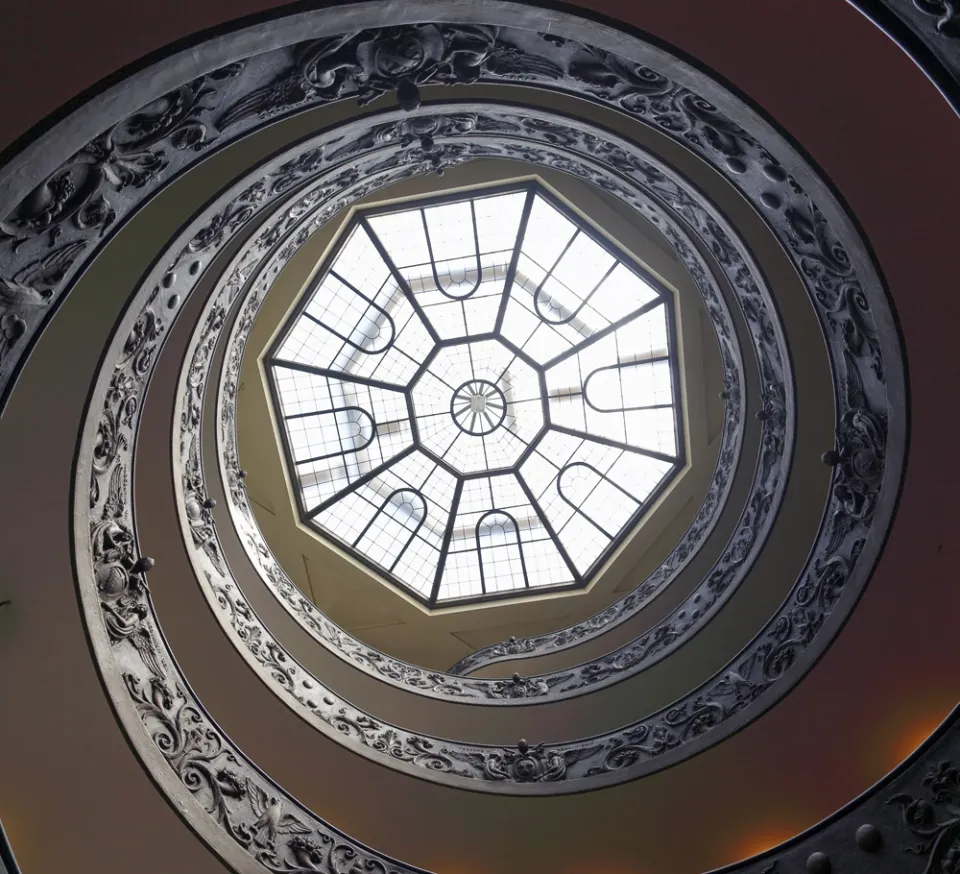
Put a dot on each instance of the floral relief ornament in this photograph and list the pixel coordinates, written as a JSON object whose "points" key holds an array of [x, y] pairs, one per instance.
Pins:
{"points": [[200, 754], [631, 658]]}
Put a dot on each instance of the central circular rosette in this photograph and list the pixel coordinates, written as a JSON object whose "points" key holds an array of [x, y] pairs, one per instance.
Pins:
{"points": [[477, 405], [479, 394]]}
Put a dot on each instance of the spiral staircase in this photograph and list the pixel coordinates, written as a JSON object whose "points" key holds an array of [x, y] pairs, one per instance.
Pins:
{"points": [[755, 673]]}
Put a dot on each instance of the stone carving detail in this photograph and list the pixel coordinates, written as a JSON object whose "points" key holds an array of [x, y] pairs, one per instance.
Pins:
{"points": [[935, 819], [83, 200], [944, 14], [119, 576], [617, 753], [665, 637], [257, 815], [528, 764], [212, 770], [31, 289], [198, 510], [374, 62]]}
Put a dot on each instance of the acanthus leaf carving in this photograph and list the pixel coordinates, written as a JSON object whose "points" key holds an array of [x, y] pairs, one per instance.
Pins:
{"points": [[502, 125]]}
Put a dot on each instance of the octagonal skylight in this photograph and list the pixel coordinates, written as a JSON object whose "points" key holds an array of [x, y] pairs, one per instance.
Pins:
{"points": [[478, 395]]}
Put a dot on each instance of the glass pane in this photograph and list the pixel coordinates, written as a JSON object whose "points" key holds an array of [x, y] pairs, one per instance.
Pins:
{"points": [[466, 429]]}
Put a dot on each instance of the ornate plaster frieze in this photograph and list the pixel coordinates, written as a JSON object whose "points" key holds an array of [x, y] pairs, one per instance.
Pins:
{"points": [[929, 32], [642, 183], [246, 817], [479, 761], [908, 823], [612, 758], [865, 352]]}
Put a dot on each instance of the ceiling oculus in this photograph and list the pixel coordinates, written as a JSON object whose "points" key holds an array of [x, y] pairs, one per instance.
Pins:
{"points": [[478, 395]]}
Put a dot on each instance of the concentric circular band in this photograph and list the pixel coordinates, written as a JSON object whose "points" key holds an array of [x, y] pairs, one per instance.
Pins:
{"points": [[860, 507], [700, 605]]}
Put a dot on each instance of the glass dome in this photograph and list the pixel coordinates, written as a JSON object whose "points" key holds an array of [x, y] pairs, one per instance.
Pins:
{"points": [[478, 395]]}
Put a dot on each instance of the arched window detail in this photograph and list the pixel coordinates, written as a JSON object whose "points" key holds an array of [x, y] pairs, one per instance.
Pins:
{"points": [[596, 497], [458, 372], [461, 274], [330, 433], [371, 329], [634, 383], [553, 305], [501, 552], [393, 527]]}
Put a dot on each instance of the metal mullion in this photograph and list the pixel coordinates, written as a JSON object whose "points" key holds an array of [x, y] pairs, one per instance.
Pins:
{"points": [[285, 441], [519, 353], [335, 374], [514, 259], [361, 481], [344, 452], [404, 286], [549, 528], [412, 417], [346, 339], [483, 437], [474, 338], [616, 444], [333, 272], [583, 300], [321, 412], [549, 273], [586, 403], [635, 409], [531, 448], [619, 367], [581, 511], [445, 545], [616, 263], [611, 247], [604, 332], [433, 259], [544, 397], [478, 192], [476, 249]]}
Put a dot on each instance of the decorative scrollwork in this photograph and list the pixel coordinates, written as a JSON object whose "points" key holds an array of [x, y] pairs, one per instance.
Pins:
{"points": [[200, 752], [673, 729], [934, 820], [668, 635], [945, 16]]}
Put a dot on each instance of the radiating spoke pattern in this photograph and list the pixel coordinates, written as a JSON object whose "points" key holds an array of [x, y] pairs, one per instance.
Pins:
{"points": [[478, 394]]}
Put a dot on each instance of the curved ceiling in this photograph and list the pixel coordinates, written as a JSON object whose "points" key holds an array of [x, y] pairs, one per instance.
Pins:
{"points": [[889, 676]]}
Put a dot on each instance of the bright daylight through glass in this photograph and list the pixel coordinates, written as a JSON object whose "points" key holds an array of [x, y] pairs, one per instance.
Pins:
{"points": [[478, 395]]}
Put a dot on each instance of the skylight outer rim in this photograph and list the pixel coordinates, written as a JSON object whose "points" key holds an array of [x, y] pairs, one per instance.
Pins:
{"points": [[537, 689], [174, 70], [568, 758], [493, 762], [665, 297]]}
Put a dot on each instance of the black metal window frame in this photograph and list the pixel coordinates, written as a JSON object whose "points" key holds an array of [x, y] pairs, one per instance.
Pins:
{"points": [[381, 510], [481, 547], [665, 297], [343, 451]]}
